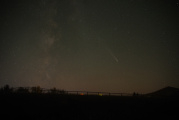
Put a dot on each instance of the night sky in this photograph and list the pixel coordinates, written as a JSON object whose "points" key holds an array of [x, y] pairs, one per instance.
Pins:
{"points": [[92, 45]]}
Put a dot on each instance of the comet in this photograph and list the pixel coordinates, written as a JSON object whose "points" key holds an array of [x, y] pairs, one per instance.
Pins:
{"points": [[112, 55]]}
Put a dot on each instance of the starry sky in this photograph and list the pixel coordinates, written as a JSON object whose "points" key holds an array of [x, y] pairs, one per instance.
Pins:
{"points": [[92, 45]]}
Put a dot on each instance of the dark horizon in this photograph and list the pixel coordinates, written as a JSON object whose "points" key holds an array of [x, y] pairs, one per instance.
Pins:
{"points": [[90, 45], [36, 105], [166, 91]]}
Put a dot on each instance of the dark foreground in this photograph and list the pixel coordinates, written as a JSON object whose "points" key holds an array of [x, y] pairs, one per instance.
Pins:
{"points": [[73, 107]]}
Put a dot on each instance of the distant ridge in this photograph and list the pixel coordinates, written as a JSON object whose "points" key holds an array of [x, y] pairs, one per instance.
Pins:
{"points": [[165, 92]]}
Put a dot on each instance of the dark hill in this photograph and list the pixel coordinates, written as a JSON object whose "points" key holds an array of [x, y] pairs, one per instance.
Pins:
{"points": [[165, 92]]}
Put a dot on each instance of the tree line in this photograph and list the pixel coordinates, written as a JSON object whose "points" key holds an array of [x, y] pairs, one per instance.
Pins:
{"points": [[36, 90]]}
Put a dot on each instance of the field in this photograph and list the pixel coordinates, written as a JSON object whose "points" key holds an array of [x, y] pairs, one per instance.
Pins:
{"points": [[86, 107]]}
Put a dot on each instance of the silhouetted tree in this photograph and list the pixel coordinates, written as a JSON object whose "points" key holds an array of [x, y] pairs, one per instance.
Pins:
{"points": [[6, 89], [53, 91], [135, 94], [1, 90], [56, 91], [22, 90], [62, 92], [36, 89]]}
